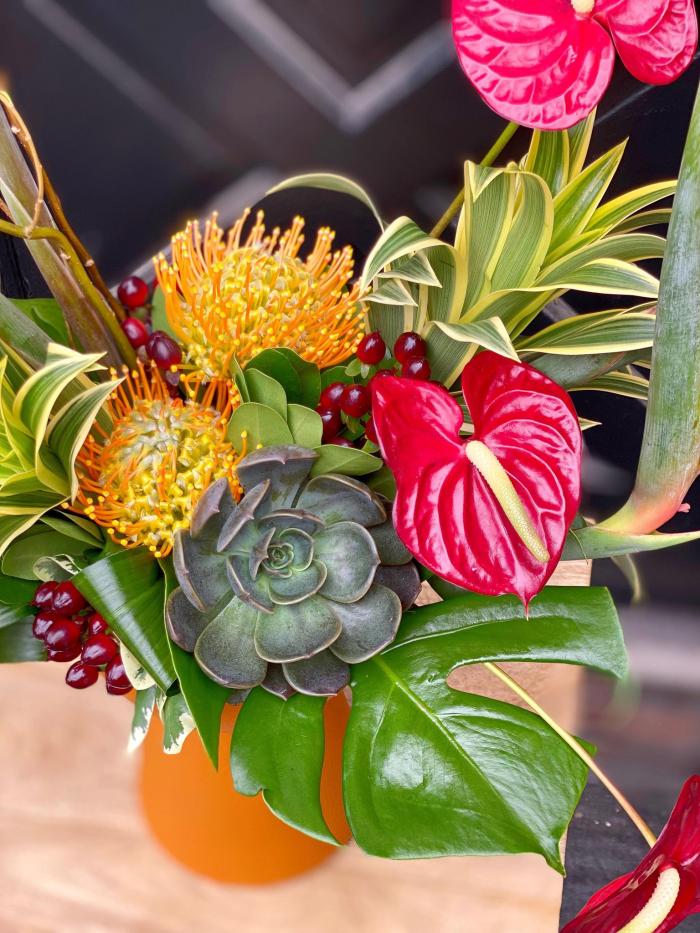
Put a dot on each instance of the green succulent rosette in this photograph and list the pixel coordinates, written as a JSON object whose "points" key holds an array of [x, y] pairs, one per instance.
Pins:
{"points": [[289, 587]]}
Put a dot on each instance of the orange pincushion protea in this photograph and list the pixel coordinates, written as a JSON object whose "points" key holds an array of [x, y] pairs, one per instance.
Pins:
{"points": [[226, 296], [143, 480]]}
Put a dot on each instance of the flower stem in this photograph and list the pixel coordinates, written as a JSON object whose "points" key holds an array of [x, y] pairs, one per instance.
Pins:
{"points": [[575, 746], [488, 159]]}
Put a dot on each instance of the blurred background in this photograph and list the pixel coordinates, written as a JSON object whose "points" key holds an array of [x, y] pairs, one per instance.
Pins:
{"points": [[148, 113]]}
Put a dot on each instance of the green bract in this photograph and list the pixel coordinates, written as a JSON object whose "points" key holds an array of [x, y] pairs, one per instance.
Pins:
{"points": [[302, 578]]}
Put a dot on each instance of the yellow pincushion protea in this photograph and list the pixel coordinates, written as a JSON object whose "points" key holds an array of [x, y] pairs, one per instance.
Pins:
{"points": [[143, 480], [227, 296]]}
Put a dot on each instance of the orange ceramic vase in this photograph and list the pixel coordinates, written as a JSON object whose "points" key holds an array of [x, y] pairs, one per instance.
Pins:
{"points": [[195, 813]]}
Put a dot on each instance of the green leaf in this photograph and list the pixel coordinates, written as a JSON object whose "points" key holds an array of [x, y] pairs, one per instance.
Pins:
{"points": [[337, 374], [416, 269], [306, 426], [17, 643], [345, 460], [470, 775], [576, 203], [383, 482], [445, 301], [277, 748], [309, 378], [75, 526], [265, 390], [16, 329], [548, 157], [484, 226], [274, 363], [659, 217], [261, 425], [144, 704], [47, 314], [128, 589], [15, 592], [391, 292], [596, 541], [451, 346], [159, 317], [528, 238], [330, 182], [20, 557], [670, 457], [579, 142]]}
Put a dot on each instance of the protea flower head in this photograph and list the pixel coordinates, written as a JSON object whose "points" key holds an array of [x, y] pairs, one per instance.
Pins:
{"points": [[143, 480], [287, 588], [228, 295]]}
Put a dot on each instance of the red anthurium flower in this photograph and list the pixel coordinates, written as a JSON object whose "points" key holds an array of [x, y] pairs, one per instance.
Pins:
{"points": [[663, 889], [489, 512], [547, 63]]}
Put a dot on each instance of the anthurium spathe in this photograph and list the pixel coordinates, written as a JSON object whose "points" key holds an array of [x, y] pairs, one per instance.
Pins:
{"points": [[547, 63], [663, 889], [487, 512]]}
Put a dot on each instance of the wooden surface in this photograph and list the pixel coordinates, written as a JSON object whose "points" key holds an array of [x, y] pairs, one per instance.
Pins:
{"points": [[75, 855]]}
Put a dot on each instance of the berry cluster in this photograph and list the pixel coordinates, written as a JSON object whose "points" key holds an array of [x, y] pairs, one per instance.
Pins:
{"points": [[70, 628], [355, 401], [158, 346]]}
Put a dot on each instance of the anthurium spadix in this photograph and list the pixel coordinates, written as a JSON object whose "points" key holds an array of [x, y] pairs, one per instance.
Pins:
{"points": [[487, 512]]}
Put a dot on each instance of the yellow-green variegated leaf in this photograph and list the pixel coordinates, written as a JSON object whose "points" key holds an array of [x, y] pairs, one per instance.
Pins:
{"points": [[626, 384], [548, 157], [391, 321], [527, 242], [629, 247], [71, 425], [484, 225], [390, 292], [444, 303], [451, 346], [400, 239], [611, 277], [577, 202], [601, 332], [659, 217], [516, 308], [610, 215], [416, 269], [12, 526], [330, 182], [579, 142]]}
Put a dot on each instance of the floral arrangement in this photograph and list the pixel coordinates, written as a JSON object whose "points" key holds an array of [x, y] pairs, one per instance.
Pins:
{"points": [[250, 481]]}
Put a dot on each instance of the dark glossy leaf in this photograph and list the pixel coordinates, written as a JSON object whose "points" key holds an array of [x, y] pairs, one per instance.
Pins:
{"points": [[334, 374], [17, 641], [345, 460], [128, 589], [38, 542], [47, 314], [309, 378], [277, 748], [432, 771], [275, 364], [205, 698], [14, 592], [26, 337]]}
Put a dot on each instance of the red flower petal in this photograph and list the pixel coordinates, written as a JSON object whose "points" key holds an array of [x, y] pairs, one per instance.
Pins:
{"points": [[445, 512], [678, 846], [533, 61], [656, 39]]}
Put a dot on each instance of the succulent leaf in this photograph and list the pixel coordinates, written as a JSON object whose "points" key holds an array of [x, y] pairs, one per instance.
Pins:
{"points": [[281, 588]]}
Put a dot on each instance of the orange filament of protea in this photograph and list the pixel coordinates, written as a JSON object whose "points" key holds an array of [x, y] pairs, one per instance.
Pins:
{"points": [[227, 296], [143, 480]]}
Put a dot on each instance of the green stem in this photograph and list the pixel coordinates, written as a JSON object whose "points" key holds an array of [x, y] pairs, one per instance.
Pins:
{"points": [[576, 747], [488, 159]]}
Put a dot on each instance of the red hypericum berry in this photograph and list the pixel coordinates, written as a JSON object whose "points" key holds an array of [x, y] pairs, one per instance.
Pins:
{"points": [[136, 331], [370, 431], [372, 349], [409, 346], [382, 374], [62, 635], [357, 401], [43, 598], [163, 350], [81, 676], [70, 654], [115, 675], [342, 442], [332, 395], [99, 650], [416, 369], [44, 620], [332, 423], [96, 625], [67, 600], [133, 292]]}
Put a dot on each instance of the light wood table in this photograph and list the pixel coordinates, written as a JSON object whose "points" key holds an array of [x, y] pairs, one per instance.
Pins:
{"points": [[75, 855]]}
